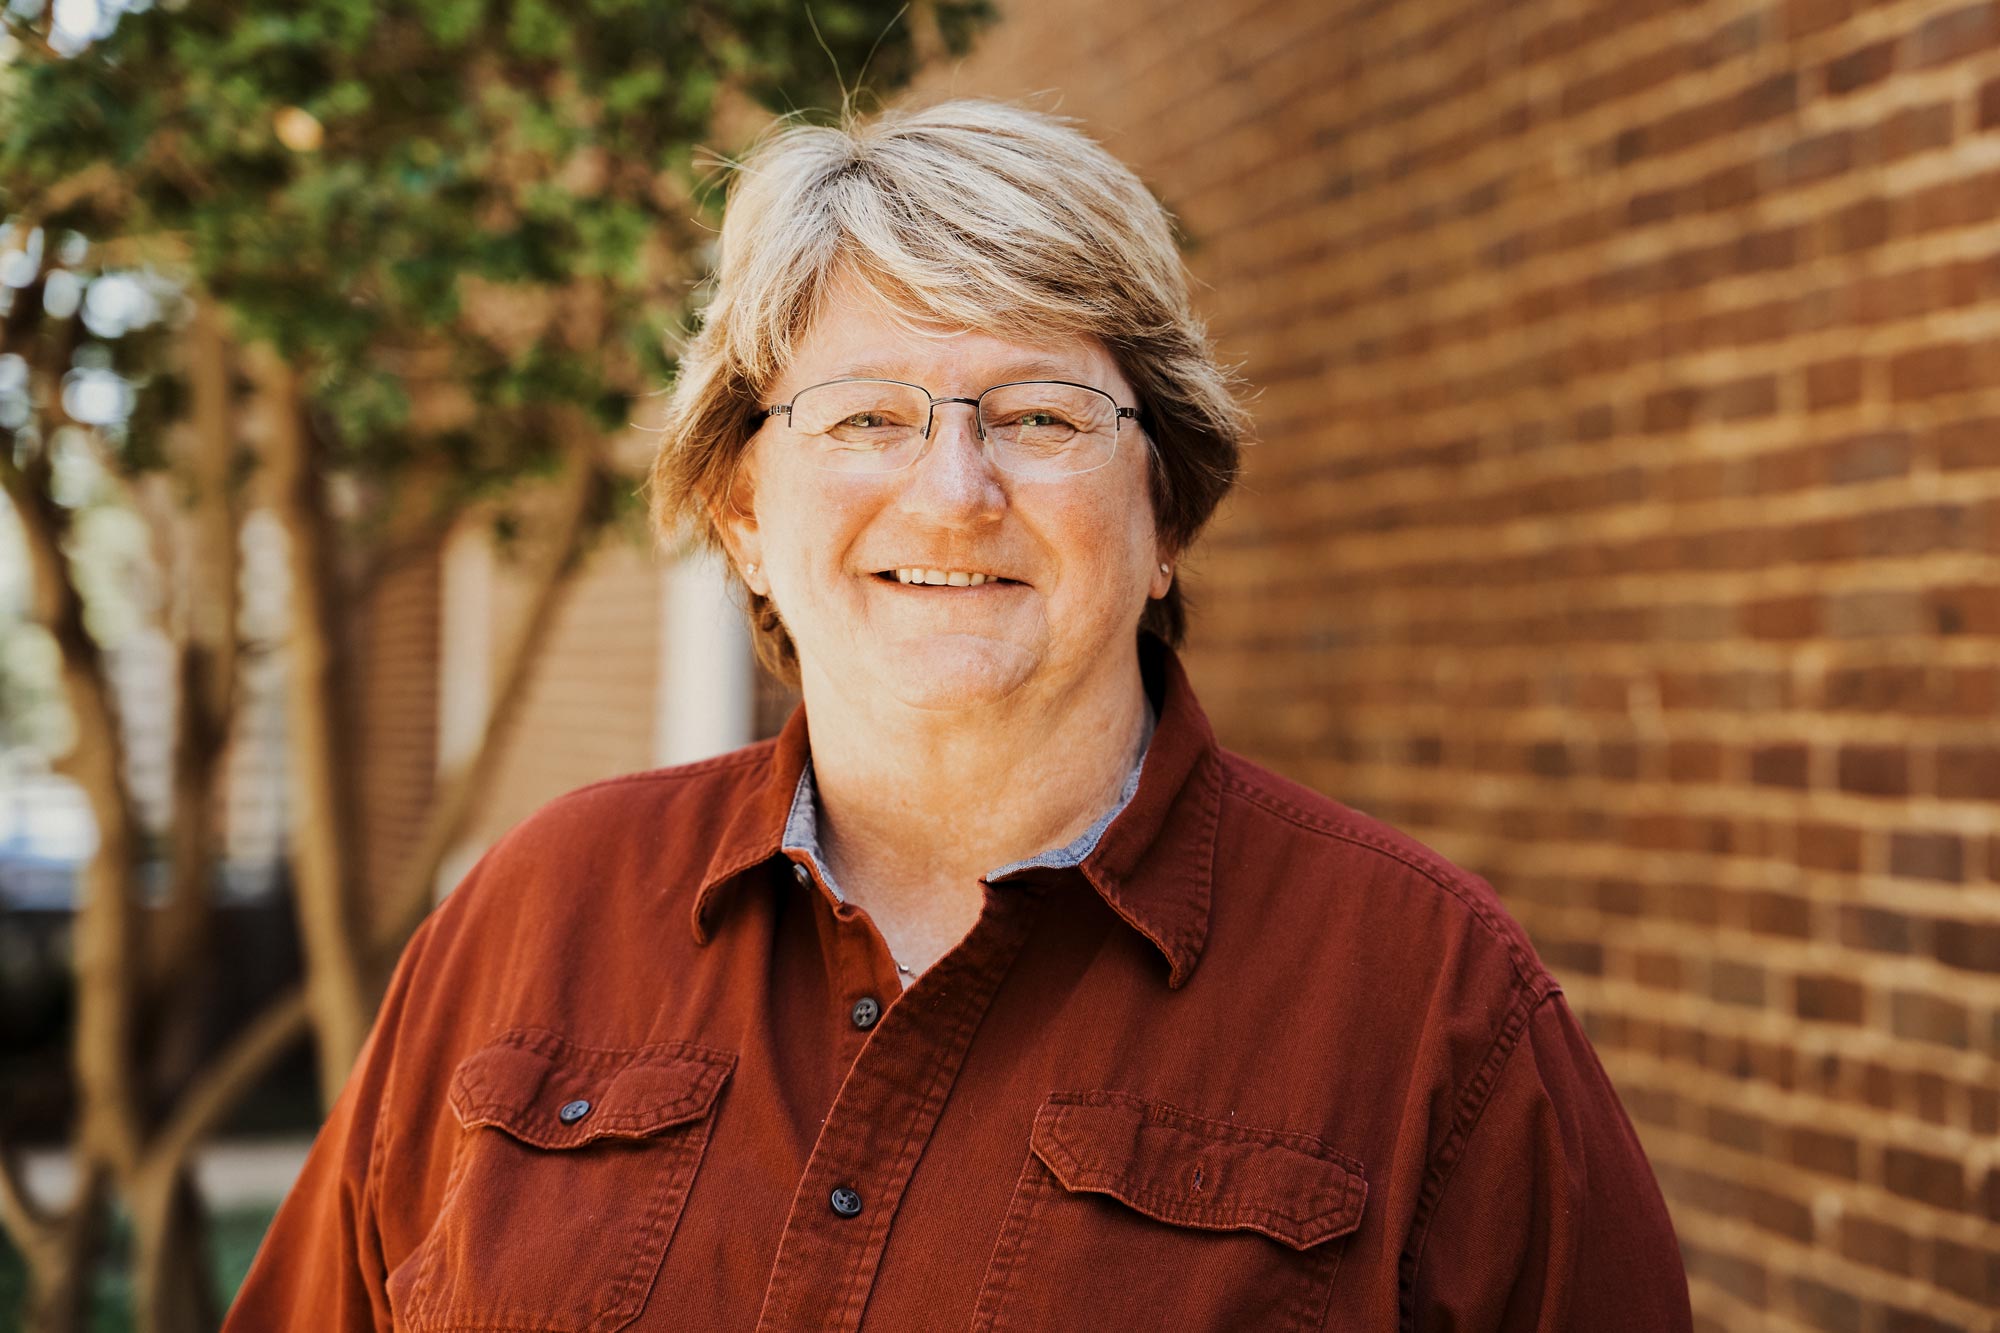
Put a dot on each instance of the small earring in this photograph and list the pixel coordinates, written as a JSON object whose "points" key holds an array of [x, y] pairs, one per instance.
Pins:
{"points": [[1165, 570], [749, 569]]}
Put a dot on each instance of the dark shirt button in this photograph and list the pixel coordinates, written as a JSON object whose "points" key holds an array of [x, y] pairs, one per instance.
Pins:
{"points": [[866, 1010], [573, 1111], [801, 874], [845, 1201]]}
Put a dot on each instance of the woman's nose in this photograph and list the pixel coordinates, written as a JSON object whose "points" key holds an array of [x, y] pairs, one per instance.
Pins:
{"points": [[954, 482]]}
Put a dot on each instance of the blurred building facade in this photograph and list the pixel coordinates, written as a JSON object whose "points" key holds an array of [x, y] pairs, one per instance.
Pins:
{"points": [[1625, 524]]}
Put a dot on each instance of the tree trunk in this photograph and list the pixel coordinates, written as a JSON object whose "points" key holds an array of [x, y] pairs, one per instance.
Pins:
{"points": [[102, 948], [171, 1288], [204, 629], [325, 831], [60, 1258]]}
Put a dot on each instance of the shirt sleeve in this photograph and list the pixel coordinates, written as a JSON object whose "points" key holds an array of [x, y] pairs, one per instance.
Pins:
{"points": [[320, 1266], [1549, 1219]]}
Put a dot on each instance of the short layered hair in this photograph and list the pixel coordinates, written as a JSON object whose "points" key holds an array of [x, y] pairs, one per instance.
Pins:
{"points": [[966, 213]]}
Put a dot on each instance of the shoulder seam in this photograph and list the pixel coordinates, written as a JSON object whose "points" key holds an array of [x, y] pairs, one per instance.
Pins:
{"points": [[1472, 1104], [1526, 972]]}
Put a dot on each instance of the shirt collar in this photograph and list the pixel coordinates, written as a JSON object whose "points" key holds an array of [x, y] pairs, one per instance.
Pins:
{"points": [[1152, 863], [802, 825]]}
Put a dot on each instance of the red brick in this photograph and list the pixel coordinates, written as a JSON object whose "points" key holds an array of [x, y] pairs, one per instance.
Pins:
{"points": [[1973, 946], [1907, 132], [1739, 1275], [1924, 1177], [1860, 68], [1962, 608], [1930, 371], [1816, 158], [1794, 617], [1827, 1152], [1868, 457], [1938, 856], [1737, 983], [1694, 761], [1879, 613], [1877, 929], [1827, 1308], [1930, 1018], [1769, 912], [1897, 1320], [1780, 765], [1743, 399], [1825, 998], [1874, 770], [1967, 1270], [1877, 1244], [1969, 772], [1805, 17], [1860, 226], [1964, 31], [1828, 847], [1961, 446], [1835, 382]]}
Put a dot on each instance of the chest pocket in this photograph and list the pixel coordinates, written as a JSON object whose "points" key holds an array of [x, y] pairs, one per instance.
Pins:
{"points": [[565, 1187], [1131, 1213]]}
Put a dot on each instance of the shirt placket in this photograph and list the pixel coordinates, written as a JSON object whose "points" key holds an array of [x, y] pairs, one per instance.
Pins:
{"points": [[884, 1114]]}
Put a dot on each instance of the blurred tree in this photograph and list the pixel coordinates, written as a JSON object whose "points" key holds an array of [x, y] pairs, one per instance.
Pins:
{"points": [[429, 250]]}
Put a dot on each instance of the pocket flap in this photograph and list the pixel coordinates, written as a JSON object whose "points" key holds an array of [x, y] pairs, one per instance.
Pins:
{"points": [[1193, 1171], [523, 1081]]}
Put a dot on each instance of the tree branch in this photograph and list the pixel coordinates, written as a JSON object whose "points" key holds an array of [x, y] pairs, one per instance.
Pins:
{"points": [[228, 1077]]}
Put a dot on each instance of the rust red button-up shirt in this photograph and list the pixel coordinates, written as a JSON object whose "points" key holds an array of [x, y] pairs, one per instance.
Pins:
{"points": [[1258, 1061]]}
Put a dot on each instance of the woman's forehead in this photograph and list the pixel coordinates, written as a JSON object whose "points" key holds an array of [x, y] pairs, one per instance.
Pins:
{"points": [[858, 334]]}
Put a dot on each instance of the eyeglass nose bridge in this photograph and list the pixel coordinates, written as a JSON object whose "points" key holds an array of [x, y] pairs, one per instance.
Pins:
{"points": [[930, 417]]}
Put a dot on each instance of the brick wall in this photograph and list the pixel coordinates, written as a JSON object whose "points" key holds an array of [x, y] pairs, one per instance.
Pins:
{"points": [[395, 663], [589, 709], [1626, 525]]}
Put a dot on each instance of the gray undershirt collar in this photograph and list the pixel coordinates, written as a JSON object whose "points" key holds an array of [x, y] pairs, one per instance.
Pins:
{"points": [[802, 824]]}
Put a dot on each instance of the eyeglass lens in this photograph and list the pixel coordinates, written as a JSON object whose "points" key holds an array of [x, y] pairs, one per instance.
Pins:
{"points": [[1039, 428]]}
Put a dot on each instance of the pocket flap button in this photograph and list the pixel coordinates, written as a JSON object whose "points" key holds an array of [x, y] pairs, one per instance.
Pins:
{"points": [[572, 1112]]}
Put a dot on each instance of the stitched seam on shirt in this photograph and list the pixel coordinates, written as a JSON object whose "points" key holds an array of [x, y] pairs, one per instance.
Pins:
{"points": [[1525, 970], [1478, 1095], [378, 1134]]}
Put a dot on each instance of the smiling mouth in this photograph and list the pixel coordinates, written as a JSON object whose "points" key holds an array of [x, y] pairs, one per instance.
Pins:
{"points": [[941, 578]]}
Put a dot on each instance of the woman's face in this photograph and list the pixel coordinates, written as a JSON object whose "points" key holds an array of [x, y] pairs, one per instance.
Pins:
{"points": [[1076, 555]]}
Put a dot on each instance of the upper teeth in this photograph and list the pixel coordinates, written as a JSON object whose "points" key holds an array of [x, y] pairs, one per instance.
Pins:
{"points": [[957, 578]]}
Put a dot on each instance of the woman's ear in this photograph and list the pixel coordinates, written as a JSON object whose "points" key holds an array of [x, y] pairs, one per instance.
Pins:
{"points": [[735, 516]]}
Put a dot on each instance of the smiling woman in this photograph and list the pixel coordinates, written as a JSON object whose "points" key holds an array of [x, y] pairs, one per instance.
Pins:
{"points": [[993, 991]]}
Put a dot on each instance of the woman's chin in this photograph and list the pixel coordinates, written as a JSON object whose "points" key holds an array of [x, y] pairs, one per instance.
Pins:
{"points": [[956, 671]]}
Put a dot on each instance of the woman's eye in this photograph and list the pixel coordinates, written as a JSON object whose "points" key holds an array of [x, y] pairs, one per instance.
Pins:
{"points": [[866, 420]]}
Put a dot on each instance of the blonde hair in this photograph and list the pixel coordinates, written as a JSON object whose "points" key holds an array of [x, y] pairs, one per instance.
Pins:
{"points": [[968, 213]]}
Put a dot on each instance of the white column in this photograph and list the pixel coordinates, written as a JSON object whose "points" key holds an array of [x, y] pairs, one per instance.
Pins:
{"points": [[465, 667], [706, 700]]}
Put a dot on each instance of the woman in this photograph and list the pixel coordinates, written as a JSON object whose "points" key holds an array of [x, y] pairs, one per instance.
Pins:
{"points": [[992, 992]]}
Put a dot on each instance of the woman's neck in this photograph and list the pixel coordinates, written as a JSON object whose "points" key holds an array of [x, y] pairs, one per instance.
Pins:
{"points": [[917, 804]]}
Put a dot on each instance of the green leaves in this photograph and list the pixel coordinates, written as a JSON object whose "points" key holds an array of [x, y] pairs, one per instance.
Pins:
{"points": [[337, 171]]}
